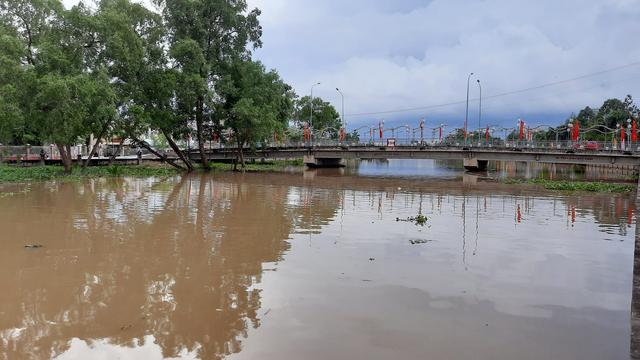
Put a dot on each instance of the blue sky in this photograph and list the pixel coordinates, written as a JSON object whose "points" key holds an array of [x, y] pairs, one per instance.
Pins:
{"points": [[387, 55]]}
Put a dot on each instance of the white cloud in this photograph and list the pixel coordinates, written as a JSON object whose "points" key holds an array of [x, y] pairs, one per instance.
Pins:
{"points": [[394, 55], [401, 54]]}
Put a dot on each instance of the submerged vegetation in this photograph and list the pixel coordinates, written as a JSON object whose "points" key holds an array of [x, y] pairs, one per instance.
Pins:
{"points": [[565, 185]]}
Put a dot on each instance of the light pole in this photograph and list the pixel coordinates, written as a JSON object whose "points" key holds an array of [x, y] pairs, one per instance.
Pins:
{"points": [[344, 123], [311, 114], [466, 116], [480, 107], [629, 135]]}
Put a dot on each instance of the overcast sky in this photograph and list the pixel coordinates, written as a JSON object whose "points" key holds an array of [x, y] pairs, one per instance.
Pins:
{"points": [[390, 55]]}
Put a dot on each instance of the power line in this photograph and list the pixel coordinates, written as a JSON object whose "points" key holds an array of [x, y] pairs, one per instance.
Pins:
{"points": [[542, 86]]}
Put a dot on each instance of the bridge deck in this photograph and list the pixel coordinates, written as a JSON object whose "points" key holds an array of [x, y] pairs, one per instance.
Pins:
{"points": [[436, 153]]}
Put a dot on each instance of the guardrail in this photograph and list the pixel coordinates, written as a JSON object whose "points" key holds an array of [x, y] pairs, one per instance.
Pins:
{"points": [[599, 146], [36, 153]]}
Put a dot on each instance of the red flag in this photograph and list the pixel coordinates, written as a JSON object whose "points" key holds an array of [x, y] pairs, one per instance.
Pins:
{"points": [[521, 129], [576, 131], [634, 135], [380, 125], [487, 135], [622, 134]]}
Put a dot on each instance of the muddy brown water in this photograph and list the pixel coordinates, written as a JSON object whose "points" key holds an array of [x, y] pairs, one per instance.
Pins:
{"points": [[312, 266]]}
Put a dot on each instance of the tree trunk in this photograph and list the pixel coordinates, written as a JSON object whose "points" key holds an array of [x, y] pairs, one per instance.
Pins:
{"points": [[65, 156], [95, 146], [178, 152], [164, 158], [199, 132], [113, 156], [240, 153]]}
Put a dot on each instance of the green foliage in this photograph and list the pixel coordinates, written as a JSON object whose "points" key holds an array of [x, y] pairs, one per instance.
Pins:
{"points": [[564, 185], [41, 173], [255, 102], [595, 125], [119, 69], [267, 166], [583, 186], [325, 116]]}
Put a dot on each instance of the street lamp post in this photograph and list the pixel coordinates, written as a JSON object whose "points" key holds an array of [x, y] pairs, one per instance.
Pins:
{"points": [[311, 114], [466, 116], [480, 107], [344, 123]]}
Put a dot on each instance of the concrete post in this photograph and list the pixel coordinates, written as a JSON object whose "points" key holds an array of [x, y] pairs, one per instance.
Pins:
{"points": [[635, 297]]}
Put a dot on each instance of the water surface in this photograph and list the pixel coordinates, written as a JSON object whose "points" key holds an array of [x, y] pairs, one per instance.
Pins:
{"points": [[312, 266]]}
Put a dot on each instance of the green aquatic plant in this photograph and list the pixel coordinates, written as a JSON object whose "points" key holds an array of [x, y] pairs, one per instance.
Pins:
{"points": [[567, 185], [419, 220]]}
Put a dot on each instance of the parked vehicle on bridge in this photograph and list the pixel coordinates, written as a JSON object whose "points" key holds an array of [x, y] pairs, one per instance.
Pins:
{"points": [[587, 145]]}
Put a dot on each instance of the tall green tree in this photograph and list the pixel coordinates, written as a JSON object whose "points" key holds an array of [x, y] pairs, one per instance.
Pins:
{"points": [[255, 103], [134, 52], [65, 94], [325, 117], [204, 35]]}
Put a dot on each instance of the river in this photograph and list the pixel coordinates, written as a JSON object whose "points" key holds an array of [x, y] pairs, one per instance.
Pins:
{"points": [[318, 265]]}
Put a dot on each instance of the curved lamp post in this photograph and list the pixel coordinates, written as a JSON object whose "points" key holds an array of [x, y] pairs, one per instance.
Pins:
{"points": [[480, 106], [466, 116], [311, 112], [344, 123]]}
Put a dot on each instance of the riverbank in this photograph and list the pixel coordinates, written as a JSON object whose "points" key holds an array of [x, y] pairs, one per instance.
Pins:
{"points": [[10, 173], [42, 173]]}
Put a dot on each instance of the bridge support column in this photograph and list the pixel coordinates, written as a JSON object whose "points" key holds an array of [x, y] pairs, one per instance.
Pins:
{"points": [[635, 292], [473, 164], [312, 161]]}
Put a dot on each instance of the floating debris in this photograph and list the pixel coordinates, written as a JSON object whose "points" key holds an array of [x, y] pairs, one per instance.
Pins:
{"points": [[371, 259], [420, 220], [33, 246], [419, 241]]}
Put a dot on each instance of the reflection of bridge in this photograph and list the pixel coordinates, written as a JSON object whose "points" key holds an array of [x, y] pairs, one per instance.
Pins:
{"points": [[473, 157]]}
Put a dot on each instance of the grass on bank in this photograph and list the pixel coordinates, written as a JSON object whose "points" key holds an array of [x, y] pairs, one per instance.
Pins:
{"points": [[9, 173], [267, 166], [12, 173], [565, 185]]}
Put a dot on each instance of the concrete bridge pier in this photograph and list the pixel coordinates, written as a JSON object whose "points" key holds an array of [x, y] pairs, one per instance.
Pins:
{"points": [[474, 165], [314, 162]]}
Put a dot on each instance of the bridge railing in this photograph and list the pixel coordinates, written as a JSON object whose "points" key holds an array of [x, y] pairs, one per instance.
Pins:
{"points": [[601, 146]]}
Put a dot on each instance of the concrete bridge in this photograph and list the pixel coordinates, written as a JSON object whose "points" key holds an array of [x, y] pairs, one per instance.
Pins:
{"points": [[474, 158]]}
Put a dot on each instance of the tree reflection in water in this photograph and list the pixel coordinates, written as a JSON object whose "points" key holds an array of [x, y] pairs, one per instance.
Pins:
{"points": [[179, 261]]}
